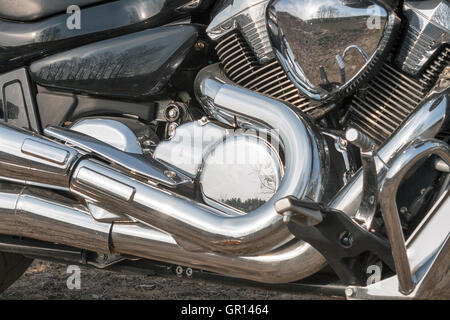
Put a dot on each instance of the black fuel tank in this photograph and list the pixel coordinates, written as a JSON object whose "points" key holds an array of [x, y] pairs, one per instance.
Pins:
{"points": [[137, 65], [22, 42]]}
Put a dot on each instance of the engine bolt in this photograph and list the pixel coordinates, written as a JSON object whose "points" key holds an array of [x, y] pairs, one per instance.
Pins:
{"points": [[346, 239], [173, 112], [171, 129], [179, 271], [349, 292], [200, 45], [170, 174]]}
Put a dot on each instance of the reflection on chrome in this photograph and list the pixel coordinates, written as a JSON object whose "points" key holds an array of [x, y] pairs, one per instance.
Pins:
{"points": [[242, 172], [312, 40]]}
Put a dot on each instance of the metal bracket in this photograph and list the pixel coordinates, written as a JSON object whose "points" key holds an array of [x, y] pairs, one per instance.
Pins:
{"points": [[368, 206], [336, 236]]}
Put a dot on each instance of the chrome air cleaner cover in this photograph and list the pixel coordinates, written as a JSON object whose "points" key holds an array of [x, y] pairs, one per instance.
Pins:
{"points": [[327, 47]]}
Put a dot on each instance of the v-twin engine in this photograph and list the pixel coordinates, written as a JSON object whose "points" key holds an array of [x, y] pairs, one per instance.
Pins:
{"points": [[129, 203]]}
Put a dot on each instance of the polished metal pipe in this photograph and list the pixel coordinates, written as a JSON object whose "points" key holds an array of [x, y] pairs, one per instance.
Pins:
{"points": [[259, 231], [293, 262], [410, 156], [45, 215], [28, 158]]}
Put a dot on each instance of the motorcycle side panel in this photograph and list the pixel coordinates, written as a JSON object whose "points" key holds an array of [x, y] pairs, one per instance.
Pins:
{"points": [[29, 10], [21, 42], [137, 65], [17, 105]]}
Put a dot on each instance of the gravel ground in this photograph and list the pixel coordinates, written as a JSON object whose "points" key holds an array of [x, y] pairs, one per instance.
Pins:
{"points": [[47, 280]]}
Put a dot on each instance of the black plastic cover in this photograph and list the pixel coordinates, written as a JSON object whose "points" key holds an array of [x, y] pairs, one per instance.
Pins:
{"points": [[138, 65], [17, 105], [28, 10], [55, 108], [21, 43]]}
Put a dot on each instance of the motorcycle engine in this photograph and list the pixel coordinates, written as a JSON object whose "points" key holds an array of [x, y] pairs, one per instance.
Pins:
{"points": [[313, 54]]}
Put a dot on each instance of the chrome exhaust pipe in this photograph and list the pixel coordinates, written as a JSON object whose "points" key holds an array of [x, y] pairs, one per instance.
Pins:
{"points": [[45, 215], [196, 225], [124, 191], [30, 159]]}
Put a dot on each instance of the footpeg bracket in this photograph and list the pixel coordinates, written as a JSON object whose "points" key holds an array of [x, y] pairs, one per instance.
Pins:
{"points": [[336, 236]]}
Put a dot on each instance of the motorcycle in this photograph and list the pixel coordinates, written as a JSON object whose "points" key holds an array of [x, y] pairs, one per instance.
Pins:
{"points": [[278, 142]]}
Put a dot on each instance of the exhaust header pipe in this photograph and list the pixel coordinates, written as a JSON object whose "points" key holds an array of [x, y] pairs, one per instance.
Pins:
{"points": [[196, 224], [30, 159]]}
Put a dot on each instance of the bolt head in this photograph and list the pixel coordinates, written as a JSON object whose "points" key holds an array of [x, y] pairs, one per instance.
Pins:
{"points": [[170, 174], [349, 292]]}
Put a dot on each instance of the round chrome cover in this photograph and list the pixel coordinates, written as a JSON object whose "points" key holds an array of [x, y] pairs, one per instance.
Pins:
{"points": [[242, 172], [326, 45]]}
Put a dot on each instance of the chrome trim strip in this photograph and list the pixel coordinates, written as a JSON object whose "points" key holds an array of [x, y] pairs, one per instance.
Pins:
{"points": [[45, 151], [135, 163]]}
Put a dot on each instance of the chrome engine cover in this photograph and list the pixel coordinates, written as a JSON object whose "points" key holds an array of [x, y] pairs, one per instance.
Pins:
{"points": [[429, 26], [238, 170], [327, 47]]}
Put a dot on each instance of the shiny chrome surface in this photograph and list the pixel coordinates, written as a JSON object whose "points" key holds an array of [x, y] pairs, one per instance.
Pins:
{"points": [[111, 132], [326, 46], [45, 215], [236, 168], [369, 201], [428, 256], [135, 163], [28, 158], [398, 168], [425, 122], [229, 104], [119, 191], [248, 17], [186, 149], [30, 213], [260, 230], [278, 266], [243, 172], [428, 31]]}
